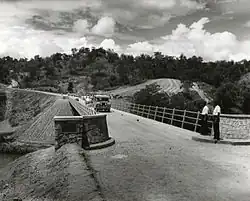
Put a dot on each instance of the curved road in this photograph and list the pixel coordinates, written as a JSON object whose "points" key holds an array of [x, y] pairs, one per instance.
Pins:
{"points": [[152, 161]]}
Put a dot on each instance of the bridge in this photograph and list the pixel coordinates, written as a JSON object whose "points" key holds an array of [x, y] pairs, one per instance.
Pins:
{"points": [[155, 161]]}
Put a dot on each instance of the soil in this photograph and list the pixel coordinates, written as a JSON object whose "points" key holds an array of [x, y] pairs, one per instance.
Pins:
{"points": [[50, 175]]}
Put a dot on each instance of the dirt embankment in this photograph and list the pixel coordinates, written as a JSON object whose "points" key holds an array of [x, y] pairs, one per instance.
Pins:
{"points": [[21, 107], [26, 105], [48, 175]]}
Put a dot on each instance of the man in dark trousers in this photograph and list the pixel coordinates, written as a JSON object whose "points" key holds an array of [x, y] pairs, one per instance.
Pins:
{"points": [[216, 121], [204, 119]]}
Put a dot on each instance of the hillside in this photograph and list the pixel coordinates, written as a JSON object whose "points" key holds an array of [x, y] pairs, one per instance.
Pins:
{"points": [[41, 129], [49, 175], [21, 108], [170, 86], [97, 69]]}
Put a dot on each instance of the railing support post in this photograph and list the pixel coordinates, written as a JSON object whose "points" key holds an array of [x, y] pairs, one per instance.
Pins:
{"points": [[155, 112], [163, 114], [183, 119], [172, 118], [196, 121], [149, 111]]}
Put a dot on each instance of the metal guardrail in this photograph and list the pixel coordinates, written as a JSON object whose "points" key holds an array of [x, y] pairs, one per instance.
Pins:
{"points": [[181, 118]]}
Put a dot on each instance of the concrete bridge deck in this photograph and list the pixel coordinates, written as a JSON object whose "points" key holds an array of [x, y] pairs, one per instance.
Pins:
{"points": [[152, 161]]}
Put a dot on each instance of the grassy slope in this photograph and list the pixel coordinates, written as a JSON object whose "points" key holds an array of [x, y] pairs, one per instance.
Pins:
{"points": [[26, 107], [42, 128], [171, 86]]}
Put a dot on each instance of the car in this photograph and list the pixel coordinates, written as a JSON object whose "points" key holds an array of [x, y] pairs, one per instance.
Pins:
{"points": [[102, 103]]}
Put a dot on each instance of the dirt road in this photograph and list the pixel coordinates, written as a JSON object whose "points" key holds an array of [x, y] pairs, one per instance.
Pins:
{"points": [[152, 161]]}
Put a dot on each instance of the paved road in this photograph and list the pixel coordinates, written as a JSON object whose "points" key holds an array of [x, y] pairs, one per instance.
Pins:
{"points": [[152, 161]]}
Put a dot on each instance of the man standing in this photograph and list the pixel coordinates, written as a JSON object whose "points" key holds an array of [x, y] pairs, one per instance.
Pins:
{"points": [[204, 125], [216, 121]]}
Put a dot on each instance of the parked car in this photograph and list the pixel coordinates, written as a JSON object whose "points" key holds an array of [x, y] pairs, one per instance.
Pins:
{"points": [[102, 103]]}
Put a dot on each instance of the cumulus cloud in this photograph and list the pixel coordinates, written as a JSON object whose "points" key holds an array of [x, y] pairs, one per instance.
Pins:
{"points": [[158, 4], [104, 27], [192, 4], [247, 24], [195, 40], [18, 39], [81, 26], [110, 44]]}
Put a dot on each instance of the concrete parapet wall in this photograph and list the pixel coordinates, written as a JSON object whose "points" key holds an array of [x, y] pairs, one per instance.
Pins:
{"points": [[68, 129], [84, 130], [235, 126], [96, 128]]}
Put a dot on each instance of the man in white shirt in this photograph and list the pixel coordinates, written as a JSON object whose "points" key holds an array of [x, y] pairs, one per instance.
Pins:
{"points": [[216, 121], [204, 124]]}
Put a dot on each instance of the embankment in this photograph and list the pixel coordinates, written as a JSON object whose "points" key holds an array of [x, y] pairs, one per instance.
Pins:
{"points": [[21, 106], [48, 175], [20, 109]]}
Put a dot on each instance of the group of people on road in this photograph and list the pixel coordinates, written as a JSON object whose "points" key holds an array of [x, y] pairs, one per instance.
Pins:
{"points": [[204, 130]]}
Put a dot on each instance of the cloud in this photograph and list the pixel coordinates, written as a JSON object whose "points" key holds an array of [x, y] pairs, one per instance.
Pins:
{"points": [[110, 44], [192, 4], [157, 4], [19, 39], [81, 26], [195, 40], [247, 24], [104, 27]]}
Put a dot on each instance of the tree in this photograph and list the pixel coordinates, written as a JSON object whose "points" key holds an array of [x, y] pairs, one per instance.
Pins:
{"points": [[227, 96], [151, 95], [70, 87]]}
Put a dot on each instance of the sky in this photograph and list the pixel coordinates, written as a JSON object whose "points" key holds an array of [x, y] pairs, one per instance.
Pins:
{"points": [[212, 29]]}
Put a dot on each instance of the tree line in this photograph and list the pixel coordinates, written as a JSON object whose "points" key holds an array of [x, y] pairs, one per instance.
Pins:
{"points": [[105, 70]]}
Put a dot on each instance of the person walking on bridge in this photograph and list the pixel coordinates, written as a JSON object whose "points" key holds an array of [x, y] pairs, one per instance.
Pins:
{"points": [[204, 119], [216, 121]]}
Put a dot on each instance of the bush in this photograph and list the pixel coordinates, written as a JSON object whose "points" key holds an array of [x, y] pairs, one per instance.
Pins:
{"points": [[151, 95]]}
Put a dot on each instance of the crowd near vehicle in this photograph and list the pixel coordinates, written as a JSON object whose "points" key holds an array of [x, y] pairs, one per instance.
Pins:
{"points": [[87, 99], [101, 103]]}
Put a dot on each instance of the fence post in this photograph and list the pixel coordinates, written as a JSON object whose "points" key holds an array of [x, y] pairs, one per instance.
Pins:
{"points": [[197, 120], [149, 111], [163, 114], [133, 109], [172, 118], [155, 112], [183, 119], [138, 109], [143, 108]]}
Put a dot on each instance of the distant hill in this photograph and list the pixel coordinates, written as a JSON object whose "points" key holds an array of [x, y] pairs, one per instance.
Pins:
{"points": [[170, 86]]}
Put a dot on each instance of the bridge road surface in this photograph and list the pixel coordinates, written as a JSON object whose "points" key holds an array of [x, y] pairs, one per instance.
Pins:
{"points": [[152, 161]]}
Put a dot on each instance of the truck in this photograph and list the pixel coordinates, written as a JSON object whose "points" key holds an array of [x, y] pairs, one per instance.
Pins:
{"points": [[102, 103]]}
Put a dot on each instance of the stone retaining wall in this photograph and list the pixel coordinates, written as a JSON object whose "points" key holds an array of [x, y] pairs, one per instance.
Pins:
{"points": [[235, 126]]}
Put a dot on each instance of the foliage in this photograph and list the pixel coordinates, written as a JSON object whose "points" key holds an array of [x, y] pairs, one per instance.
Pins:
{"points": [[151, 95], [227, 96], [70, 87], [106, 69]]}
